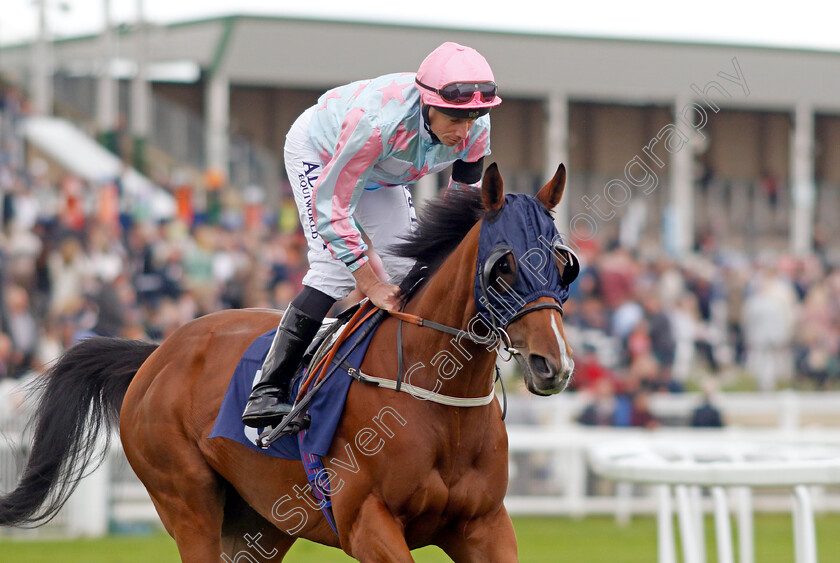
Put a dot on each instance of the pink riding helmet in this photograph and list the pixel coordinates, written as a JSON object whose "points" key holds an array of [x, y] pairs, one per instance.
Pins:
{"points": [[460, 74]]}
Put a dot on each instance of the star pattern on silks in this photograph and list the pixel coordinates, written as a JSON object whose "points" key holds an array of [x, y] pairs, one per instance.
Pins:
{"points": [[414, 174], [392, 91], [331, 95], [401, 137], [358, 91]]}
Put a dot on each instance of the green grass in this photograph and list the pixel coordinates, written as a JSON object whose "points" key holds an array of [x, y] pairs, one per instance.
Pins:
{"points": [[541, 540]]}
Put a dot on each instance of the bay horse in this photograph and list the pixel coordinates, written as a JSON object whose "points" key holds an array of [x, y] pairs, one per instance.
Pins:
{"points": [[405, 472]]}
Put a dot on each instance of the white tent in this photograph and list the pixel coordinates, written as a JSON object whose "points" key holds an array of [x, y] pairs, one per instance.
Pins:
{"points": [[75, 151]]}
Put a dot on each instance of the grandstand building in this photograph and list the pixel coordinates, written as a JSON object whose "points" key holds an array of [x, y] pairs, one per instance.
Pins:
{"points": [[666, 143]]}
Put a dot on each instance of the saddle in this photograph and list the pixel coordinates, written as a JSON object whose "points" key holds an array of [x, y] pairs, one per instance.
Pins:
{"points": [[329, 329], [320, 361]]}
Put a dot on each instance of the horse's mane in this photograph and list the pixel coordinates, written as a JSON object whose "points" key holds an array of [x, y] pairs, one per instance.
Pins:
{"points": [[441, 226]]}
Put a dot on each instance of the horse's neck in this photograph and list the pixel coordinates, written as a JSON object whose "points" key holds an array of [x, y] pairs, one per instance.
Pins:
{"points": [[447, 299]]}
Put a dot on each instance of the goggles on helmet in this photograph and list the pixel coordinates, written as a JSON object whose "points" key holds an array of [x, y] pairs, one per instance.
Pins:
{"points": [[463, 92]]}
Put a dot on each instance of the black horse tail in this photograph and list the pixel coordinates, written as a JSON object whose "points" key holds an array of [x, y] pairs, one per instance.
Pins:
{"points": [[80, 397]]}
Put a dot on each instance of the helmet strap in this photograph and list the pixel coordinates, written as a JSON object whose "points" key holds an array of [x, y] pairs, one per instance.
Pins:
{"points": [[427, 124]]}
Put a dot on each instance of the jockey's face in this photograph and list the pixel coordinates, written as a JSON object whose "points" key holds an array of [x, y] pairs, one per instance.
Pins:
{"points": [[450, 130]]}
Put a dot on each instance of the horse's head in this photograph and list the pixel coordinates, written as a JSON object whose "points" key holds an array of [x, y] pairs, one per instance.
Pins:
{"points": [[522, 278]]}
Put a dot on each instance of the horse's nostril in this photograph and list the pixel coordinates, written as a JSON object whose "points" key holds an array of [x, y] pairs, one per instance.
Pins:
{"points": [[540, 366]]}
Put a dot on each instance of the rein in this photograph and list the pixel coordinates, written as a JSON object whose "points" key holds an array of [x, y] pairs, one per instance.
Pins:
{"points": [[323, 369], [424, 394], [326, 364], [504, 339], [319, 372], [510, 304]]}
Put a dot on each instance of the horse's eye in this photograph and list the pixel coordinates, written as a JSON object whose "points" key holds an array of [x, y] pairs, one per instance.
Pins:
{"points": [[504, 273]]}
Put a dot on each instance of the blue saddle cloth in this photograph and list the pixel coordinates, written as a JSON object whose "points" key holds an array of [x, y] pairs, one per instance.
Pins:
{"points": [[325, 409], [229, 420]]}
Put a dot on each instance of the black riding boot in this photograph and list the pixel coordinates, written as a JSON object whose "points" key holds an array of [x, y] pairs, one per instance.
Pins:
{"points": [[270, 399]]}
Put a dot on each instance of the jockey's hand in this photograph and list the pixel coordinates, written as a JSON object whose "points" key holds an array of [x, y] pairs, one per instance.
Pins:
{"points": [[383, 295]]}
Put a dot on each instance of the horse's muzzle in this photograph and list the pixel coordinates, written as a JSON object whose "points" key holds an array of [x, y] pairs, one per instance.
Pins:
{"points": [[543, 376]]}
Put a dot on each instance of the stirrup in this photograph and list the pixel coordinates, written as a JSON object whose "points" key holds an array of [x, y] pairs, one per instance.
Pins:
{"points": [[300, 422], [264, 419]]}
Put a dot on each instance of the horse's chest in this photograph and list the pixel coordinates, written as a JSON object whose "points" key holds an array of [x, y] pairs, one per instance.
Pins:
{"points": [[465, 479], [444, 466], [475, 492], [482, 470]]}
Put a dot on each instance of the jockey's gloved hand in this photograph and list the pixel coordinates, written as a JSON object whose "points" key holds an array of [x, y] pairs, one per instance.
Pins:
{"points": [[383, 295]]}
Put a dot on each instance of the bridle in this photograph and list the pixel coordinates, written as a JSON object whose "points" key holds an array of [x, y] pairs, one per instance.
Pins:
{"points": [[498, 333], [484, 296], [499, 324]]}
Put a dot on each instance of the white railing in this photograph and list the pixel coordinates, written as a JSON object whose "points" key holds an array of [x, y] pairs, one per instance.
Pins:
{"points": [[681, 468], [780, 410], [549, 468], [568, 486]]}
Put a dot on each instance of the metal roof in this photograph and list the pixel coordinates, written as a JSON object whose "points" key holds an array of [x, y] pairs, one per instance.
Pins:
{"points": [[308, 53]]}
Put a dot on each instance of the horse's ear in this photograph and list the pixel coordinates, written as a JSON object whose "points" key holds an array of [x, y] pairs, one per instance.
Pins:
{"points": [[492, 190], [551, 193]]}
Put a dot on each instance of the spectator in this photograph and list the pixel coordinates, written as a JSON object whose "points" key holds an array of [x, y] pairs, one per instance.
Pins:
{"points": [[69, 271], [818, 335], [589, 370], [707, 415], [106, 252], [768, 316], [701, 285], [625, 318], [22, 250], [5, 357], [602, 409], [662, 342], [641, 416], [22, 329], [108, 309]]}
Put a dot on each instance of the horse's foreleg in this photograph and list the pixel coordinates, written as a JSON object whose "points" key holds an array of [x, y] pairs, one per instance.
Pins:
{"points": [[375, 535], [489, 539]]}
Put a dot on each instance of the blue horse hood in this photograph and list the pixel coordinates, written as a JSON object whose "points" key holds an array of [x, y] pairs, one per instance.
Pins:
{"points": [[526, 229]]}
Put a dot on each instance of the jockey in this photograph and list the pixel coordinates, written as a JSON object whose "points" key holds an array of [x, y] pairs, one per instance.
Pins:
{"points": [[349, 159]]}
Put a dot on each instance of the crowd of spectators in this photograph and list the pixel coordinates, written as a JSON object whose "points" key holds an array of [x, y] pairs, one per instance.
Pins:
{"points": [[638, 325], [657, 325], [72, 265]]}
